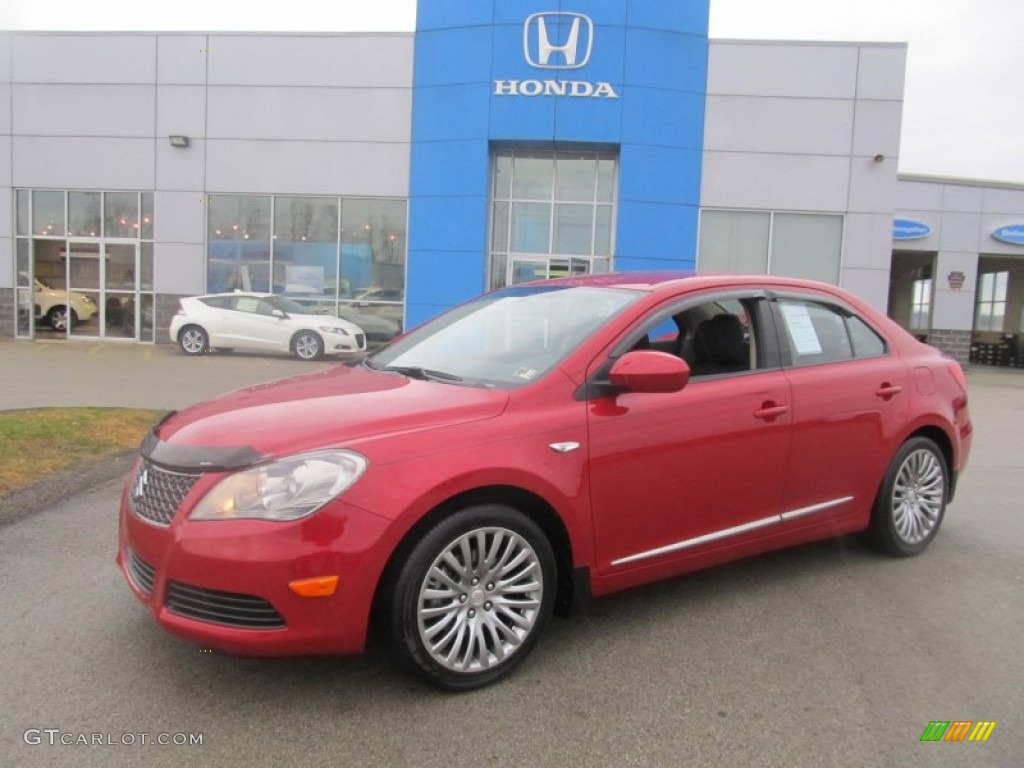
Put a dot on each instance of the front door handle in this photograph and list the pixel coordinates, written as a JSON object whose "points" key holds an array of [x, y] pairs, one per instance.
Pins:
{"points": [[770, 410], [887, 390]]}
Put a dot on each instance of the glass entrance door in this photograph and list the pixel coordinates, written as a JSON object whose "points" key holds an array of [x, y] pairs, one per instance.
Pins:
{"points": [[82, 261], [120, 305]]}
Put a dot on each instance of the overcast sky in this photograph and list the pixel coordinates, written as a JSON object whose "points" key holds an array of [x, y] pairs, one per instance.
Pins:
{"points": [[964, 102]]}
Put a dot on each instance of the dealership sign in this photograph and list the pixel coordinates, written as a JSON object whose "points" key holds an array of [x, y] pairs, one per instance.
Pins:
{"points": [[1013, 234], [544, 50], [905, 229]]}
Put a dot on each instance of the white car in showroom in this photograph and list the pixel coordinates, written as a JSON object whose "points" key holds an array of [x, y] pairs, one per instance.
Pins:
{"points": [[261, 322]]}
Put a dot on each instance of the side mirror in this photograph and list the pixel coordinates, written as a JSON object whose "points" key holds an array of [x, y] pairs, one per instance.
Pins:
{"points": [[646, 370], [279, 314]]}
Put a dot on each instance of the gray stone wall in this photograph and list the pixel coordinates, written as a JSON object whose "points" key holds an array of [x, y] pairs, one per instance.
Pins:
{"points": [[956, 344]]}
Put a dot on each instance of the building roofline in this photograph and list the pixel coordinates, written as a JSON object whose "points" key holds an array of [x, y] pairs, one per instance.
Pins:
{"points": [[959, 182]]}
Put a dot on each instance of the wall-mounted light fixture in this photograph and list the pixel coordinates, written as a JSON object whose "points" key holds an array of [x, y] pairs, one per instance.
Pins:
{"points": [[178, 141], [878, 158]]}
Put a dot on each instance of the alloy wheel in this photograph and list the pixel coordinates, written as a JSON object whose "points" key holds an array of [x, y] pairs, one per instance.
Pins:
{"points": [[480, 600], [307, 346], [918, 496]]}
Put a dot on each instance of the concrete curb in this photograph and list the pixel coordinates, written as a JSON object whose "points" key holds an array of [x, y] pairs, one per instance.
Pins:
{"points": [[63, 485]]}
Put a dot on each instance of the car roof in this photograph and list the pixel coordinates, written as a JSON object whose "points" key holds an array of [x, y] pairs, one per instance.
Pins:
{"points": [[656, 281]]}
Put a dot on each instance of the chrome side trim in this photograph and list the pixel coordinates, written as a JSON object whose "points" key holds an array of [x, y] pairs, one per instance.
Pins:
{"points": [[564, 447], [815, 508], [686, 544]]}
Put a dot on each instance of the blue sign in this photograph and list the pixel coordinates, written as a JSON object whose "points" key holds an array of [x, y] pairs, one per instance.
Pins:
{"points": [[627, 77], [906, 229], [1013, 234]]}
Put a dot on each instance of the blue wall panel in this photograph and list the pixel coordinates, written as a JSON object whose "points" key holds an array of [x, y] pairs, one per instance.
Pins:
{"points": [[471, 62]]}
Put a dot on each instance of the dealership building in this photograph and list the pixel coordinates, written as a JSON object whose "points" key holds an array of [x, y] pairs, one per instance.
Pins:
{"points": [[394, 175]]}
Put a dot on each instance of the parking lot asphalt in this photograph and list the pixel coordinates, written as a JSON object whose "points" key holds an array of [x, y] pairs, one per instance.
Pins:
{"points": [[72, 373], [823, 655]]}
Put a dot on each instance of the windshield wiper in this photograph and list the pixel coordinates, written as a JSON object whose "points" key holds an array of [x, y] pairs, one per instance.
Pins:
{"points": [[424, 374]]}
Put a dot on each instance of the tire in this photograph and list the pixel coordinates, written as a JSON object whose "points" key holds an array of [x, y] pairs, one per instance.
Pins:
{"points": [[912, 500], [482, 616], [308, 345], [57, 318], [193, 340]]}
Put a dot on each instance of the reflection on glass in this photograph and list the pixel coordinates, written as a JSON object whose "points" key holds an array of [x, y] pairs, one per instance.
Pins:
{"points": [[532, 177], [146, 227], [22, 226], [499, 227], [573, 228], [502, 177], [146, 312], [239, 238], [24, 289], [48, 213], [531, 227], [120, 262], [121, 214], [574, 178], [84, 214], [146, 267], [306, 249], [605, 180]]}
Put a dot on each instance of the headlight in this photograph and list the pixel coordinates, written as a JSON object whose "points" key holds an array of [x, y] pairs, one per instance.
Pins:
{"points": [[287, 489], [333, 329]]}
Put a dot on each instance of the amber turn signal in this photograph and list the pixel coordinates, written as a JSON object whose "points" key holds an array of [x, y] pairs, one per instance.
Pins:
{"points": [[318, 586]]}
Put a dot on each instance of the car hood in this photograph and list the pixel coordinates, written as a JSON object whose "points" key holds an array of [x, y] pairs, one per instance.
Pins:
{"points": [[341, 406]]}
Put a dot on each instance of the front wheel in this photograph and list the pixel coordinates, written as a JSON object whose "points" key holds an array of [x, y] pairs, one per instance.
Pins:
{"points": [[472, 597], [308, 346], [58, 318], [912, 499]]}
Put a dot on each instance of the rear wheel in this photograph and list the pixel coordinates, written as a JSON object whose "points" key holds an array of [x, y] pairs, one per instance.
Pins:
{"points": [[193, 340], [308, 345], [472, 597], [912, 500]]}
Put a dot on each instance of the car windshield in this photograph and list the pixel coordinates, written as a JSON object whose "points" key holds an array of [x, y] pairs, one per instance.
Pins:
{"points": [[507, 338], [287, 305]]}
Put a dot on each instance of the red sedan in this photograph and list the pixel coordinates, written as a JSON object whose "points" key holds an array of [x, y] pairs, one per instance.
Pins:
{"points": [[530, 449]]}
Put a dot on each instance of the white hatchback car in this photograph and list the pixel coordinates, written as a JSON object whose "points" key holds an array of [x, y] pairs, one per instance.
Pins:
{"points": [[261, 322]]}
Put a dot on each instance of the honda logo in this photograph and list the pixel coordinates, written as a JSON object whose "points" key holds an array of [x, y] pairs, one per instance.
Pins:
{"points": [[558, 40]]}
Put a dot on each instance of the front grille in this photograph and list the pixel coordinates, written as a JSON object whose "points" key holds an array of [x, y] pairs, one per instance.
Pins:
{"points": [[141, 572], [360, 340], [228, 608], [155, 494]]}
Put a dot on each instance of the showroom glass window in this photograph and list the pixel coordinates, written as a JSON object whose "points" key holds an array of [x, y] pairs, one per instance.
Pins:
{"points": [[805, 245], [92, 247], [330, 254], [552, 214], [991, 307]]}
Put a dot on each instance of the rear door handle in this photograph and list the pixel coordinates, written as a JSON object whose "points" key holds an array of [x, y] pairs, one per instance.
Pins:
{"points": [[888, 390], [770, 410]]}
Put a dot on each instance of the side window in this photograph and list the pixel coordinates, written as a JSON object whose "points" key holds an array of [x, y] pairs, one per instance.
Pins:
{"points": [[866, 343], [218, 302], [721, 337], [820, 333], [249, 304]]}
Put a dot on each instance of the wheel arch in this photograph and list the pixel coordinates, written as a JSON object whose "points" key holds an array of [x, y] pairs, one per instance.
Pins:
{"points": [[939, 436], [573, 588]]}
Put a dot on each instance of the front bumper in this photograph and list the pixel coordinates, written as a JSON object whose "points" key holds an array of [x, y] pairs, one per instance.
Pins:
{"points": [[224, 584]]}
